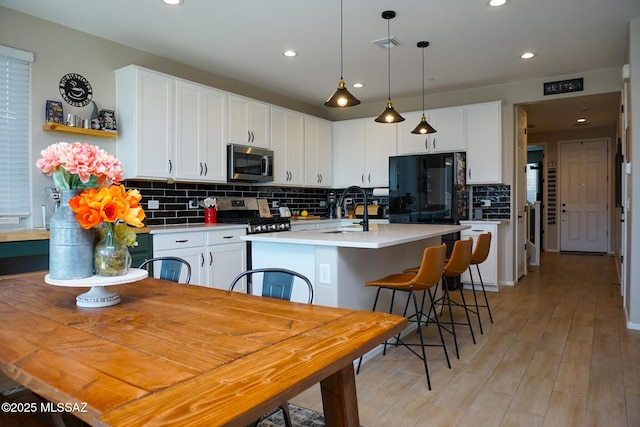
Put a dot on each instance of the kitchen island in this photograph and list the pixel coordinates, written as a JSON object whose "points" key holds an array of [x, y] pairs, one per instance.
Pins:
{"points": [[338, 261]]}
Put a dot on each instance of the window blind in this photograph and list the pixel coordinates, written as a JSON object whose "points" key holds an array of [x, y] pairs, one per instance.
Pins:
{"points": [[15, 161]]}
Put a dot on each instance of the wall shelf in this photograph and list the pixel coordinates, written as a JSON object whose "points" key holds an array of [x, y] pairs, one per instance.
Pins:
{"points": [[57, 127]]}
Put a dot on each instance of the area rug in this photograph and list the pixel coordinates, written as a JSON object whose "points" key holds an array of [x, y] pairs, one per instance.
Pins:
{"points": [[301, 417]]}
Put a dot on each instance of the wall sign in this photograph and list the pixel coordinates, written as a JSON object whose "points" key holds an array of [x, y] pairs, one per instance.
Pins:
{"points": [[564, 86], [75, 90]]}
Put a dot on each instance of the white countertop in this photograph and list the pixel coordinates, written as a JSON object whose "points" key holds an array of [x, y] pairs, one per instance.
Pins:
{"points": [[378, 236], [188, 228], [485, 221]]}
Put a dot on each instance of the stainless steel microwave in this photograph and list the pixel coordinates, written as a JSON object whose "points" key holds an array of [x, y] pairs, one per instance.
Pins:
{"points": [[249, 164]]}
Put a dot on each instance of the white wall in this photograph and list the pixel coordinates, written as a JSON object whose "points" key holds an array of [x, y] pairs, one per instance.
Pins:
{"points": [[633, 218]]}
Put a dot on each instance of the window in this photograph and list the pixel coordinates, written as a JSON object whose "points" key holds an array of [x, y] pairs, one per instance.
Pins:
{"points": [[15, 161]]}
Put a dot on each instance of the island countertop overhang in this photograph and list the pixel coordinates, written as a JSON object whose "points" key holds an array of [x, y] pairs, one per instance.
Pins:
{"points": [[378, 236]]}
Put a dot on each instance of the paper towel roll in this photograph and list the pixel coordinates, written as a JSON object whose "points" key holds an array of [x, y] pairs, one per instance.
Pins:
{"points": [[381, 192]]}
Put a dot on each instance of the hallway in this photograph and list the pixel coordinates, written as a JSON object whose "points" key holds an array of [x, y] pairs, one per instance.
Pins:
{"points": [[558, 354]]}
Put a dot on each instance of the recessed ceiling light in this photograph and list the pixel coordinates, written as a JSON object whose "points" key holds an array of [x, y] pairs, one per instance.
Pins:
{"points": [[581, 120], [173, 2], [358, 85], [497, 3], [527, 55], [290, 53]]}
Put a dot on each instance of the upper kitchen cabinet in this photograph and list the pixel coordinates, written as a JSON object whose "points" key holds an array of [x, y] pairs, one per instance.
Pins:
{"points": [[381, 143], [248, 122], [318, 144], [449, 137], [484, 143], [144, 101], [287, 143], [201, 133], [450, 130], [362, 150]]}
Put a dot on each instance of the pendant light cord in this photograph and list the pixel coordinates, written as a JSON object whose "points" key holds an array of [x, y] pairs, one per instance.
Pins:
{"points": [[389, 56], [423, 81], [341, 42]]}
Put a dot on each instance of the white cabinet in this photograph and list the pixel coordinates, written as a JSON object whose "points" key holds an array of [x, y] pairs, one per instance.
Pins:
{"points": [[318, 144], [189, 246], [226, 257], [450, 130], [381, 143], [489, 268], [248, 122], [201, 131], [287, 143], [484, 143], [349, 153], [449, 137], [216, 257], [145, 109], [362, 149], [409, 143]]}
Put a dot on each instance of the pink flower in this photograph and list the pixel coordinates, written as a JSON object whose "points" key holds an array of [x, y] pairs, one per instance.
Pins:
{"points": [[80, 165]]}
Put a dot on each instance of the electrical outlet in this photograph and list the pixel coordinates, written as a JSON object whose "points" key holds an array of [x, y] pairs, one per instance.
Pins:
{"points": [[275, 204], [486, 203], [193, 204], [153, 204]]}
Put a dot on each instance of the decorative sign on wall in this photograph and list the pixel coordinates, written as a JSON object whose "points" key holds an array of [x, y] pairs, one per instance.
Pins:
{"points": [[564, 86], [75, 90], [551, 193]]}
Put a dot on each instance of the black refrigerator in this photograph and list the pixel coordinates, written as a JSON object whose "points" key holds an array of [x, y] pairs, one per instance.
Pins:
{"points": [[428, 188]]}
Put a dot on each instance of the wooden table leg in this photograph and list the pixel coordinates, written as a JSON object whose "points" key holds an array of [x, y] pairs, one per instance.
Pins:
{"points": [[339, 399]]}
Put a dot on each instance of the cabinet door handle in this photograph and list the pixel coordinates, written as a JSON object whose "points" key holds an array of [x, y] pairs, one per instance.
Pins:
{"points": [[201, 259], [205, 169], [201, 169], [227, 237], [248, 136], [362, 178], [170, 166], [426, 144], [210, 258], [253, 137], [434, 143], [369, 178], [182, 241]]}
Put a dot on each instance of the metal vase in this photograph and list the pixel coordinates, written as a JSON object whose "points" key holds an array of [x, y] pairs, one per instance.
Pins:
{"points": [[70, 245]]}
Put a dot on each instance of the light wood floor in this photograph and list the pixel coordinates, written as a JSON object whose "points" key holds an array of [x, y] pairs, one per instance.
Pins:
{"points": [[558, 354]]}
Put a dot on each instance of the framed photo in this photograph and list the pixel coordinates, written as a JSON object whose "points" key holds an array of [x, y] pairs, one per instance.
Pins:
{"points": [[53, 112], [108, 120]]}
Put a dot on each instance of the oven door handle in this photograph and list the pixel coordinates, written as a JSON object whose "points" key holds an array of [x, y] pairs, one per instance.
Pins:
{"points": [[265, 165]]}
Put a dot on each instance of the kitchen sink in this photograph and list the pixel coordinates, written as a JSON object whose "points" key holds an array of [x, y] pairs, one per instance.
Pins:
{"points": [[344, 230]]}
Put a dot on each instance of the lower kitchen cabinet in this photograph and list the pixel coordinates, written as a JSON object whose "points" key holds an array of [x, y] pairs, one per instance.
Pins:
{"points": [[489, 268], [216, 257], [143, 251], [188, 246]]}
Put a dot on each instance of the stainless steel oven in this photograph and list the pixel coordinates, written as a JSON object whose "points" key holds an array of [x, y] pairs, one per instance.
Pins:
{"points": [[249, 164], [253, 212]]}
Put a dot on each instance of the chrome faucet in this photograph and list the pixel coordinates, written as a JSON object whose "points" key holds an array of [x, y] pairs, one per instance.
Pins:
{"points": [[365, 220]]}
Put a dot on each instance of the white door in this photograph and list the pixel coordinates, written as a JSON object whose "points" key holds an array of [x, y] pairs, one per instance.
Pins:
{"points": [[521, 194], [584, 194]]}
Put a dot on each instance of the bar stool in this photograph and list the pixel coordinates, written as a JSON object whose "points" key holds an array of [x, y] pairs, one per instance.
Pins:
{"points": [[479, 255], [458, 263], [427, 277]]}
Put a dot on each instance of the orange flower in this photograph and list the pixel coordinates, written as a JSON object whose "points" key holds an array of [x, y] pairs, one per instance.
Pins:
{"points": [[92, 206]]}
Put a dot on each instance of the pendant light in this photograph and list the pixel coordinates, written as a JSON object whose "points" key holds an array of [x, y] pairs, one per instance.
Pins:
{"points": [[389, 115], [423, 127], [342, 97]]}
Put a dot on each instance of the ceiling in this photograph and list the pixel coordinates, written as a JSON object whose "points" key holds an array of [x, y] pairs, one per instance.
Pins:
{"points": [[471, 44]]}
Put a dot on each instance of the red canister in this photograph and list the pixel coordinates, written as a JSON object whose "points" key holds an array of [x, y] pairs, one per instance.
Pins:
{"points": [[210, 215]]}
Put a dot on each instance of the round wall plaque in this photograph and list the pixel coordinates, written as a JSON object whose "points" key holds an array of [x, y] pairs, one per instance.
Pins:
{"points": [[75, 90]]}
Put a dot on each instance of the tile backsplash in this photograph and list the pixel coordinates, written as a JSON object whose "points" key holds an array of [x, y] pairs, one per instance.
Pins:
{"points": [[498, 195], [174, 199]]}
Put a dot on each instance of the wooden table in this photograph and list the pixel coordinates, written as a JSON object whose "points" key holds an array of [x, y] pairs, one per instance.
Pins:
{"points": [[173, 354]]}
